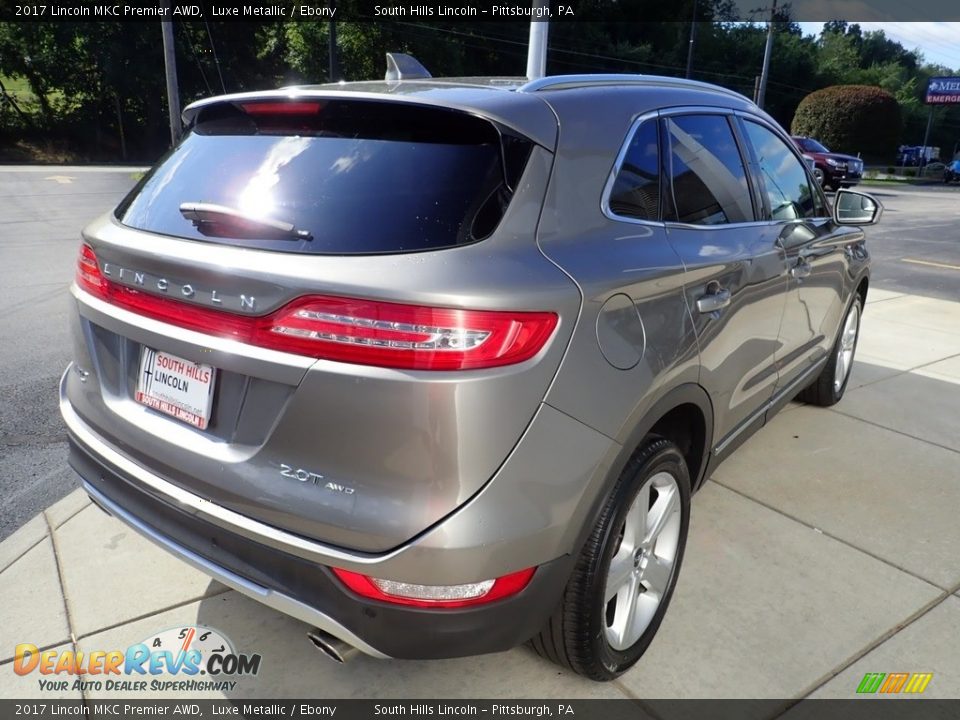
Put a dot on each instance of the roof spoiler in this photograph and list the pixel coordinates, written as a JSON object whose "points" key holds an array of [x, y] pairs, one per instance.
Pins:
{"points": [[401, 66]]}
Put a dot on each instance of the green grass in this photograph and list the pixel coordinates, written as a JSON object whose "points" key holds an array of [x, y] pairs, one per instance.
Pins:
{"points": [[900, 181], [20, 89], [18, 86]]}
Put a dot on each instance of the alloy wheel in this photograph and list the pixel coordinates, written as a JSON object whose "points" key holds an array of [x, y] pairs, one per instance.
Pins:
{"points": [[642, 565], [846, 347]]}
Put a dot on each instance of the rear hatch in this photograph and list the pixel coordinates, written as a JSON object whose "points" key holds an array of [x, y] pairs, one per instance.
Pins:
{"points": [[325, 313]]}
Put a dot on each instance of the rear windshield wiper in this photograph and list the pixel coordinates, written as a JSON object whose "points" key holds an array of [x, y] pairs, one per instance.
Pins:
{"points": [[207, 215]]}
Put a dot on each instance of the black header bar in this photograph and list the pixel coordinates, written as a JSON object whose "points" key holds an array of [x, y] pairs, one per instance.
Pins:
{"points": [[461, 10]]}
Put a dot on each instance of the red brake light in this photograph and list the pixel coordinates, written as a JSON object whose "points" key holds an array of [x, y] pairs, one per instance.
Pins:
{"points": [[406, 336], [364, 332], [88, 272], [435, 596], [281, 108]]}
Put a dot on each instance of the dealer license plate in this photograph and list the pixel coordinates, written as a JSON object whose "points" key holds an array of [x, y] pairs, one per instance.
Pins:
{"points": [[177, 387]]}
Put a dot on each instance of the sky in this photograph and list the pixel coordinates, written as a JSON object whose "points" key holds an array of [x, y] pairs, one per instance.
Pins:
{"points": [[938, 41]]}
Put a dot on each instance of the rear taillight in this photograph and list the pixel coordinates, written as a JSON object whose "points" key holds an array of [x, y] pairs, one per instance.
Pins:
{"points": [[405, 336], [88, 272], [435, 596], [364, 332]]}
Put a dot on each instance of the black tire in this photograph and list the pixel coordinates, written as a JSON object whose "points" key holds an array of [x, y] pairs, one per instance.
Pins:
{"points": [[824, 391], [574, 635]]}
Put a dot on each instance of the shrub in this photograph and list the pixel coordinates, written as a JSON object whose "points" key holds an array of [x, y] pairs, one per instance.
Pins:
{"points": [[851, 119]]}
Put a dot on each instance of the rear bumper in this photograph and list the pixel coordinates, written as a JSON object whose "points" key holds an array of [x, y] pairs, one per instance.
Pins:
{"points": [[282, 574], [266, 595]]}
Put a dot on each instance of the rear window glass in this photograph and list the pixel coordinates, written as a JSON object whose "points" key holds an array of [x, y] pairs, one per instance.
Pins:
{"points": [[339, 177]]}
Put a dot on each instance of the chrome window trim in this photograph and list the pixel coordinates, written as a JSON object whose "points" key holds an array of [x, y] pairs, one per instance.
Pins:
{"points": [[615, 171], [618, 163], [697, 110], [690, 110], [723, 226]]}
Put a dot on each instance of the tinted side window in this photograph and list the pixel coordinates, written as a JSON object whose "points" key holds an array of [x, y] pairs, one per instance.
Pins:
{"points": [[784, 178], [636, 191], [708, 183]]}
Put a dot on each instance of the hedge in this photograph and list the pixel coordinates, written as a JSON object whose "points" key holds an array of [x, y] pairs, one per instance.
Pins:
{"points": [[851, 118]]}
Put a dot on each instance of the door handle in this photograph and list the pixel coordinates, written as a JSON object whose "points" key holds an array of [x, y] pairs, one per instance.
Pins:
{"points": [[718, 299], [801, 270]]}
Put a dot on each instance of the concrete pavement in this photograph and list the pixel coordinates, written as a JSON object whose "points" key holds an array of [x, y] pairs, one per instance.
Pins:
{"points": [[824, 549]]}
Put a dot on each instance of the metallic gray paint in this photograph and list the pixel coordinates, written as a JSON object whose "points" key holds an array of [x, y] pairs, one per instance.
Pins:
{"points": [[464, 476]]}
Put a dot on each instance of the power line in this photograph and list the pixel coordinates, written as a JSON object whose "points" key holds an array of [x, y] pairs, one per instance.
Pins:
{"points": [[213, 49], [186, 31], [554, 48]]}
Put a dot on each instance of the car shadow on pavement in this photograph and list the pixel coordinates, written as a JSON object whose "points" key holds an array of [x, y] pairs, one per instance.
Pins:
{"points": [[291, 667]]}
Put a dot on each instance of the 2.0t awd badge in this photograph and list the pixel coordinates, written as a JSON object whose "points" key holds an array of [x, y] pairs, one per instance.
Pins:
{"points": [[306, 476]]}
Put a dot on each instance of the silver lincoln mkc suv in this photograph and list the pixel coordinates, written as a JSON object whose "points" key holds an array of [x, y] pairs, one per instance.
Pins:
{"points": [[435, 365]]}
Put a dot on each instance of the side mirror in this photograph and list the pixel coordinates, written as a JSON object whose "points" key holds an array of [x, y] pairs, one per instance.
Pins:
{"points": [[851, 207]]}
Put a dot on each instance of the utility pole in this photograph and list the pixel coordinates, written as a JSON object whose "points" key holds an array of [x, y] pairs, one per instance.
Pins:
{"points": [[170, 67], [693, 39], [332, 46], [764, 74], [926, 139], [537, 47]]}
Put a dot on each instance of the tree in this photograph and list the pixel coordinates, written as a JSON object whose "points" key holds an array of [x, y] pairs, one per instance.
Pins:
{"points": [[839, 58], [93, 83], [851, 118]]}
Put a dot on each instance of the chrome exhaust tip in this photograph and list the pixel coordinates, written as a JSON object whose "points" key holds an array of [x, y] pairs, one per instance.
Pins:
{"points": [[332, 647]]}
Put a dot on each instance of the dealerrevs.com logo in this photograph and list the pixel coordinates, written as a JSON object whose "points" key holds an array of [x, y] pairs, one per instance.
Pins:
{"points": [[184, 659]]}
